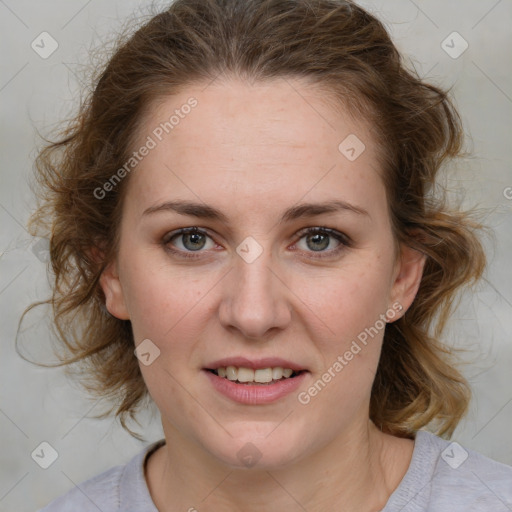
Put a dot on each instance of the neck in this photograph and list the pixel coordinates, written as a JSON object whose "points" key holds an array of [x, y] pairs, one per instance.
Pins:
{"points": [[359, 469]]}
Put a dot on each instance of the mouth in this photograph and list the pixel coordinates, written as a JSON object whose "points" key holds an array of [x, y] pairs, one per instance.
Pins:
{"points": [[253, 382], [260, 376]]}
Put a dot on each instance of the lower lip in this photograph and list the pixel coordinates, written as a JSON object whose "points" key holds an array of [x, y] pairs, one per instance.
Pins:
{"points": [[255, 394]]}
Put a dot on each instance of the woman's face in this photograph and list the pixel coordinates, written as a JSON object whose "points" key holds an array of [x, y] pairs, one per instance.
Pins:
{"points": [[253, 167]]}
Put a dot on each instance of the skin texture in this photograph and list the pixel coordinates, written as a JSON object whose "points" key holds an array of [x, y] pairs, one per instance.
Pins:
{"points": [[252, 151]]}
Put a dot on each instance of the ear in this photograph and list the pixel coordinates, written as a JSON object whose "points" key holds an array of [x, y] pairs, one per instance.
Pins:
{"points": [[113, 291], [407, 279]]}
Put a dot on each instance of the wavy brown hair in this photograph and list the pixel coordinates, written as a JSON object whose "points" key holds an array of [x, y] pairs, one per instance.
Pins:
{"points": [[348, 53]]}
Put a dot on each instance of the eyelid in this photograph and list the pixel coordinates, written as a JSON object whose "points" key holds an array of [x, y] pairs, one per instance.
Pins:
{"points": [[186, 255], [344, 240], [342, 237], [183, 231]]}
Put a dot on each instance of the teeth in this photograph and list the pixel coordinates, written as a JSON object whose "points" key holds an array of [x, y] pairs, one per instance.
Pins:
{"points": [[262, 375], [231, 373], [245, 375], [277, 373]]}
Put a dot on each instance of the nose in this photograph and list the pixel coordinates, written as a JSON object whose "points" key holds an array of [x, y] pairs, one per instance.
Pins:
{"points": [[255, 298]]}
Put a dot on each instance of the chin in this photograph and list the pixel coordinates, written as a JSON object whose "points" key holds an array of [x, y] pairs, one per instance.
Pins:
{"points": [[257, 451]]}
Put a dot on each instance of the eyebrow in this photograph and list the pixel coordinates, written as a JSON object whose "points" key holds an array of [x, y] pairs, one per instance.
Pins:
{"points": [[204, 211]]}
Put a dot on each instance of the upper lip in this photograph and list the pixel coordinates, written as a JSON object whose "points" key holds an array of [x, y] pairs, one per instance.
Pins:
{"points": [[255, 364]]}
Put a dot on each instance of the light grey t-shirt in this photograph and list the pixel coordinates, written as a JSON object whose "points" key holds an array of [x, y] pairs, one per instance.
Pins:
{"points": [[442, 477]]}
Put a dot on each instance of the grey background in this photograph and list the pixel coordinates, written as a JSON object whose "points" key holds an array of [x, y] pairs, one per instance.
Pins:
{"points": [[40, 404]]}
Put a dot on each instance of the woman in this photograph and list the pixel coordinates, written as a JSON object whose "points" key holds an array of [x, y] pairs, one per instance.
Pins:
{"points": [[247, 200]]}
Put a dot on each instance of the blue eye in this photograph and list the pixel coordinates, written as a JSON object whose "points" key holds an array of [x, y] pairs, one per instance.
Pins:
{"points": [[318, 239]]}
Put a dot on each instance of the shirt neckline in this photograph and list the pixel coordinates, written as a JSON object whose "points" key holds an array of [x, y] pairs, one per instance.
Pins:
{"points": [[134, 490], [415, 483]]}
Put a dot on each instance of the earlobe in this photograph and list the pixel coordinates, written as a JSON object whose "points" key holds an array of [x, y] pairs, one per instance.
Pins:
{"points": [[408, 277], [113, 291]]}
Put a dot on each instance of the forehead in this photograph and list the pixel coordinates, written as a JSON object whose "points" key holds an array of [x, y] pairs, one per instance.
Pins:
{"points": [[284, 138], [289, 111]]}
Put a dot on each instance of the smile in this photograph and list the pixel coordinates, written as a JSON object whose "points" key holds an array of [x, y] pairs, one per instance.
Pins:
{"points": [[255, 381], [264, 376]]}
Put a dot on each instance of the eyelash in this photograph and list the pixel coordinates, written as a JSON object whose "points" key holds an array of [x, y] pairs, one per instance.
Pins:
{"points": [[344, 240]]}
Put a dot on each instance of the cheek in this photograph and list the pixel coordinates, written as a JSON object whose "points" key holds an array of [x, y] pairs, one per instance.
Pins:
{"points": [[350, 303], [165, 307], [164, 301], [351, 308], [352, 298]]}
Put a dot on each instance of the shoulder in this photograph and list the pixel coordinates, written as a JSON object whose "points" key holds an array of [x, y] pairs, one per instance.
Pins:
{"points": [[468, 480], [118, 489], [445, 476], [98, 493]]}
